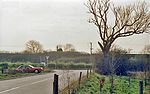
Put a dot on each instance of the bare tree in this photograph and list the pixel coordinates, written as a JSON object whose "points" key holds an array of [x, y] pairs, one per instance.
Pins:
{"points": [[34, 46], [146, 49], [59, 48], [69, 48], [128, 20]]}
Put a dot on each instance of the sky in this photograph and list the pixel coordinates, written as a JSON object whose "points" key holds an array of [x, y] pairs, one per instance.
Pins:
{"points": [[53, 22]]}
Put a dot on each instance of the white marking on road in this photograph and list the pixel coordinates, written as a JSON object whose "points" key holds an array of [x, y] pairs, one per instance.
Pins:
{"points": [[9, 90], [22, 86]]}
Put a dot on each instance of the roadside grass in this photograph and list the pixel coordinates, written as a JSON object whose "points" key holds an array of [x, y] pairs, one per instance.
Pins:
{"points": [[51, 65], [19, 75], [13, 66], [121, 85], [13, 76]]}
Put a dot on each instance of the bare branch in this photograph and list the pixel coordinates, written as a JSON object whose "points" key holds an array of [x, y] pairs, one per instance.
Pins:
{"points": [[129, 20]]}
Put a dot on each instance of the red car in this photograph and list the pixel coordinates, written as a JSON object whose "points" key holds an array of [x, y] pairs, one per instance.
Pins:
{"points": [[29, 69]]}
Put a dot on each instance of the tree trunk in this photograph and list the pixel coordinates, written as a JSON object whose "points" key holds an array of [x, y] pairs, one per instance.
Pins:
{"points": [[106, 65]]}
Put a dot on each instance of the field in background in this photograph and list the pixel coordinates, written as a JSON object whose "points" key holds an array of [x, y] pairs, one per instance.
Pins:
{"points": [[51, 65]]}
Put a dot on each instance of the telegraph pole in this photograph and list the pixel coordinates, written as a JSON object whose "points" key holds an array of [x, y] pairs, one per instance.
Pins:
{"points": [[91, 48], [91, 58]]}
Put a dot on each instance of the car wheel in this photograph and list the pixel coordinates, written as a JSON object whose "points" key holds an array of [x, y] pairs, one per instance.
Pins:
{"points": [[36, 71]]}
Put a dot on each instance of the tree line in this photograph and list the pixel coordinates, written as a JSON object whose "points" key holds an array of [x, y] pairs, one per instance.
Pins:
{"points": [[33, 46]]}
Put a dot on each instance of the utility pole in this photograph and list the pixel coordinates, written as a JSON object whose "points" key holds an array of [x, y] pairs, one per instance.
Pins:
{"points": [[91, 48], [47, 57], [91, 58]]}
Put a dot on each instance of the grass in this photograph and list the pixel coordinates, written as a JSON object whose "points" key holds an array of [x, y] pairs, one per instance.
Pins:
{"points": [[13, 76], [121, 85], [18, 75], [12, 66], [51, 65]]}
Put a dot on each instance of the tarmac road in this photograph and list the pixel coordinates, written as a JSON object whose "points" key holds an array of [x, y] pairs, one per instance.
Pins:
{"points": [[40, 84]]}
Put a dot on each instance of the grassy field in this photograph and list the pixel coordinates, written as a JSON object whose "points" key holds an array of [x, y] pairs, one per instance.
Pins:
{"points": [[121, 86]]}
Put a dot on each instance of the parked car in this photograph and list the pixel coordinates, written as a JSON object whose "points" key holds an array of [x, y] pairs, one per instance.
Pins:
{"points": [[29, 69]]}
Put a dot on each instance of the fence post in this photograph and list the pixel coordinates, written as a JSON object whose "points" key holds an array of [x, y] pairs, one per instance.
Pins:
{"points": [[2, 71], [55, 84], [141, 87], [73, 92], [80, 79], [129, 79], [87, 73], [90, 71], [68, 85]]}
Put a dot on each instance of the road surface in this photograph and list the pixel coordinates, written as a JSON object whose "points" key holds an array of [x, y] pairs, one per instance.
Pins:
{"points": [[40, 84]]}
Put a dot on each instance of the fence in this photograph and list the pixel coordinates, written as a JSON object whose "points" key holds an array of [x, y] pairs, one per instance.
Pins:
{"points": [[69, 82]]}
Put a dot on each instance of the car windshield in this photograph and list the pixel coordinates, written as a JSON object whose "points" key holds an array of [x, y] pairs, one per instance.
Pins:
{"points": [[31, 66], [20, 67]]}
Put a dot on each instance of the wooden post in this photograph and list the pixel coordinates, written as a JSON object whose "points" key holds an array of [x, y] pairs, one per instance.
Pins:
{"points": [[112, 84], [87, 73], [129, 79], [55, 84], [68, 85], [73, 92], [101, 90], [2, 71], [90, 71], [101, 82], [140, 87], [80, 79], [101, 86]]}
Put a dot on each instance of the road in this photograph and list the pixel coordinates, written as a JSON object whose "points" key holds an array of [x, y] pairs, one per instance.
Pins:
{"points": [[40, 84]]}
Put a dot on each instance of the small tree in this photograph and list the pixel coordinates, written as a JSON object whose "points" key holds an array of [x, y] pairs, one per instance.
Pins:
{"points": [[146, 49], [128, 20], [59, 48], [69, 48], [34, 46]]}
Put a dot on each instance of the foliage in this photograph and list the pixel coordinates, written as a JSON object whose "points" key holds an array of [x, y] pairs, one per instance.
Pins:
{"points": [[66, 47], [117, 62], [33, 46], [17, 64], [128, 20], [146, 49], [91, 86], [51, 65], [69, 65], [40, 57]]}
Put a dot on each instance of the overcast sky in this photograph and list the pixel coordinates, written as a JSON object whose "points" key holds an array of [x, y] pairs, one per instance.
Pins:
{"points": [[53, 22]]}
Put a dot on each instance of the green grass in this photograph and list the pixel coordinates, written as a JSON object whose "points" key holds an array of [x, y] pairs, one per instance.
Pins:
{"points": [[69, 65], [121, 85], [17, 75], [12, 66]]}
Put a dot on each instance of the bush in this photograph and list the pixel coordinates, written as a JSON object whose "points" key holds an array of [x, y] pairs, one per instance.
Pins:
{"points": [[69, 65]]}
